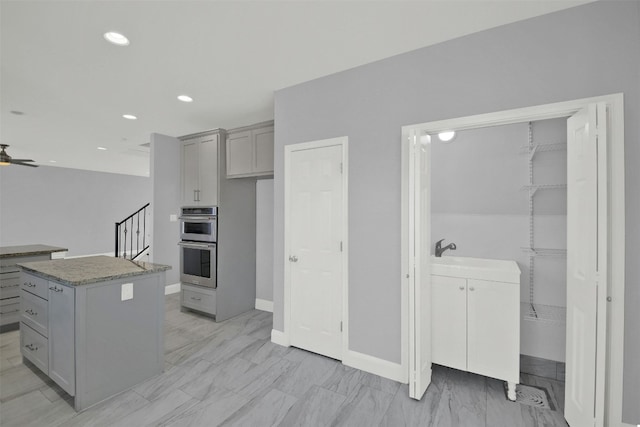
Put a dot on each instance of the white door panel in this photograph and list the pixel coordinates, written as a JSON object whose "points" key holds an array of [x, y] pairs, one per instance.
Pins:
{"points": [[582, 266], [419, 312], [315, 256]]}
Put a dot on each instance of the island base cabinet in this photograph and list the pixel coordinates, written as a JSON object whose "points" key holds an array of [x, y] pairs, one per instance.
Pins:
{"points": [[61, 337], [34, 347]]}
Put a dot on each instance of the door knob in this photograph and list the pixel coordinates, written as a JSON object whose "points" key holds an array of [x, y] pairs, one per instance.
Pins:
{"points": [[293, 258]]}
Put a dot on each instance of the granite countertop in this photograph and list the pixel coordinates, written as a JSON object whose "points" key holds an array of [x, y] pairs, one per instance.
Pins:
{"points": [[28, 250], [83, 271]]}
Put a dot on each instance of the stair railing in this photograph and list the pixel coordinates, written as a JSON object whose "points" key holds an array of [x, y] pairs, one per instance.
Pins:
{"points": [[127, 245]]}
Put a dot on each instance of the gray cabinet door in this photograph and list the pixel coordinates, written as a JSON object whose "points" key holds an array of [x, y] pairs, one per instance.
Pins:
{"points": [[208, 171], [263, 150], [239, 153], [190, 171], [62, 336]]}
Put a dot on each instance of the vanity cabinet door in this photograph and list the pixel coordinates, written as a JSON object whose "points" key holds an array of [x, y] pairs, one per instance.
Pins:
{"points": [[449, 321], [493, 329], [62, 336]]}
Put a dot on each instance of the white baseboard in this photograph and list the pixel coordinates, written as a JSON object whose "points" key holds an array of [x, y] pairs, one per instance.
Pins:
{"points": [[172, 289], [374, 365], [264, 305], [280, 338]]}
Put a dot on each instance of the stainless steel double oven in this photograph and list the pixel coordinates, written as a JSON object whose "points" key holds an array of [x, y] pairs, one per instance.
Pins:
{"points": [[198, 255]]}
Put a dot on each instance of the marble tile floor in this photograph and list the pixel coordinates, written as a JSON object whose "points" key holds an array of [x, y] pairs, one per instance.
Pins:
{"points": [[230, 374]]}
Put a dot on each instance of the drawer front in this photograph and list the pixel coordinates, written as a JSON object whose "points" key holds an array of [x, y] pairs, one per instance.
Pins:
{"points": [[206, 302], [34, 347], [35, 312], [35, 285], [10, 313], [9, 285]]}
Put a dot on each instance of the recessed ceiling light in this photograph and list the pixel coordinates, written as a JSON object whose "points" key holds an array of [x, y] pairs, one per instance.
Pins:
{"points": [[102, 148], [185, 98], [129, 116], [116, 38], [447, 136]]}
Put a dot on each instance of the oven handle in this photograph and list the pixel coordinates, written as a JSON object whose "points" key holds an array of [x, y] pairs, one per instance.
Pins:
{"points": [[198, 218], [197, 245]]}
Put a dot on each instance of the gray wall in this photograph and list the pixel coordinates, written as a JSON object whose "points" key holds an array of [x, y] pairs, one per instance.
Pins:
{"points": [[165, 175], [73, 208], [264, 239], [580, 52]]}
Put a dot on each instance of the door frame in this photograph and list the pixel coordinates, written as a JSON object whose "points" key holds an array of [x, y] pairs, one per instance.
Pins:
{"points": [[611, 409], [343, 142]]}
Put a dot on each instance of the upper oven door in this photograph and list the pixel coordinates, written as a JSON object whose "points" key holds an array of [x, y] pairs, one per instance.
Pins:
{"points": [[200, 229]]}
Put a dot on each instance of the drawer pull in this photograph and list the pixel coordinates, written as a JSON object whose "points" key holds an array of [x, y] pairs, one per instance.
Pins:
{"points": [[471, 288], [32, 347], [29, 285], [55, 289], [31, 312], [196, 298], [461, 288]]}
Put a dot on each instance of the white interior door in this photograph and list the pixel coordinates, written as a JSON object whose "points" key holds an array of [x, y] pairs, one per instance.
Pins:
{"points": [[420, 286], [584, 388], [315, 258]]}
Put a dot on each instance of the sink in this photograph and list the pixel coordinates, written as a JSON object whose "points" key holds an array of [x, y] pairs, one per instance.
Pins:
{"points": [[496, 270]]}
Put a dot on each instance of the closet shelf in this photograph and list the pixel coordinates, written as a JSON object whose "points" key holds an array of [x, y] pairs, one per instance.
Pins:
{"points": [[536, 187], [543, 313], [539, 148], [546, 252]]}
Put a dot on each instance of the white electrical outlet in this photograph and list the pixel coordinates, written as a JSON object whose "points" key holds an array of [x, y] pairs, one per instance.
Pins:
{"points": [[173, 218], [126, 291]]}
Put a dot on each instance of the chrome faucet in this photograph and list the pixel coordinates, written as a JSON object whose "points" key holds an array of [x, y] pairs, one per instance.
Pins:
{"points": [[440, 249]]}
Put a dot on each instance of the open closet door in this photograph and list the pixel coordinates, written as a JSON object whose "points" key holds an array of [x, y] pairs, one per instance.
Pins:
{"points": [[586, 266], [420, 286]]}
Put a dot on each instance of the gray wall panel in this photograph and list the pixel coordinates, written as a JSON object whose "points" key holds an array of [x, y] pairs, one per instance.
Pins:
{"points": [[264, 239], [165, 174], [581, 52], [72, 208]]}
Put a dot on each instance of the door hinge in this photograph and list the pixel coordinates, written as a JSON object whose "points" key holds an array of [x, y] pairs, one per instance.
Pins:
{"points": [[341, 326], [341, 246]]}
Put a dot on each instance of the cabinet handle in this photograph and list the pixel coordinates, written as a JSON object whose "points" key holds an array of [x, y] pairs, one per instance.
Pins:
{"points": [[29, 285], [55, 289], [32, 347], [461, 288], [471, 288], [10, 286], [31, 312], [196, 298]]}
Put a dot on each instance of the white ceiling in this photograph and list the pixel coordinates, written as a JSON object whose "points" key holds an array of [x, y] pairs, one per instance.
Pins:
{"points": [[230, 56]]}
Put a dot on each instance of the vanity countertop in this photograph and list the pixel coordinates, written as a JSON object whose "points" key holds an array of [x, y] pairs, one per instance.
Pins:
{"points": [[86, 270]]}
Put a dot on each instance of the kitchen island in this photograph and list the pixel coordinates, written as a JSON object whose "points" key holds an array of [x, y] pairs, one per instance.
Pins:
{"points": [[94, 325], [10, 277]]}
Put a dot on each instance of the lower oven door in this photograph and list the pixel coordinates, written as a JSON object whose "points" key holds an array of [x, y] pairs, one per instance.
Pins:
{"points": [[198, 263]]}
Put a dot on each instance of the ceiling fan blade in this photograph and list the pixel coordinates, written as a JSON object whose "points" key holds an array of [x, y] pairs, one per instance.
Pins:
{"points": [[22, 160], [23, 164]]}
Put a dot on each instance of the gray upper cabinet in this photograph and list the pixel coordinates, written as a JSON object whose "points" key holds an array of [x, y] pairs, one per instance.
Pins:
{"points": [[200, 170], [250, 151]]}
